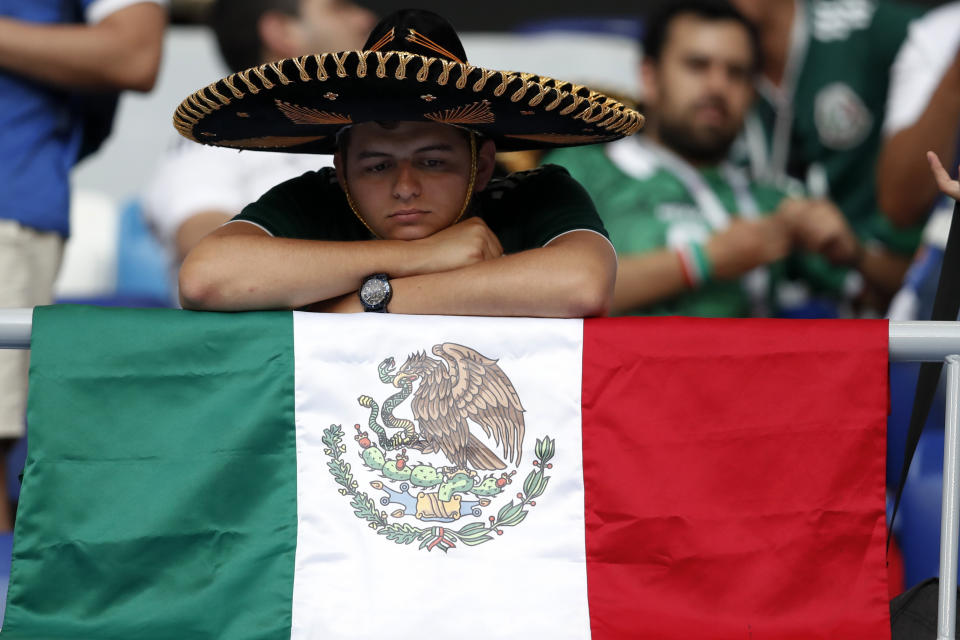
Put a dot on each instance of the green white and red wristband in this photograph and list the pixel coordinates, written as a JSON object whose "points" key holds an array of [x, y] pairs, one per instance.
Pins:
{"points": [[694, 265]]}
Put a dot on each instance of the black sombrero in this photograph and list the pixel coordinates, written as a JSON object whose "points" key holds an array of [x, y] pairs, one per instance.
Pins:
{"points": [[412, 67]]}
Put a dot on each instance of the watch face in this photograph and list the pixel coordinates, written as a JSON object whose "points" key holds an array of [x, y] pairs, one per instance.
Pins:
{"points": [[374, 291]]}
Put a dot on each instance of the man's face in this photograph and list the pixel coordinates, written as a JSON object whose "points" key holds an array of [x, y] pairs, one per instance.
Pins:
{"points": [[702, 86], [409, 179], [333, 25]]}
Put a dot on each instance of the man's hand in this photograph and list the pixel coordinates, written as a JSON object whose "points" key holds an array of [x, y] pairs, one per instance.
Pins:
{"points": [[747, 244], [818, 226], [947, 186], [461, 245]]}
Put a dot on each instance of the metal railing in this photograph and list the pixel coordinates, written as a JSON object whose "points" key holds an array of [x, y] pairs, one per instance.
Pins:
{"points": [[909, 342]]}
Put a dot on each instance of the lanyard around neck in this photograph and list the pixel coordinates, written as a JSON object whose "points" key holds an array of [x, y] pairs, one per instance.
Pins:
{"points": [[703, 195], [781, 99]]}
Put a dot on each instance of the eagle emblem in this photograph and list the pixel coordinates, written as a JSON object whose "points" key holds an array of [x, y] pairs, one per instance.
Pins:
{"points": [[460, 388], [441, 466]]}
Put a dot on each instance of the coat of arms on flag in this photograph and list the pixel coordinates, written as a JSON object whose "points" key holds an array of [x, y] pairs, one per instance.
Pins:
{"points": [[459, 389]]}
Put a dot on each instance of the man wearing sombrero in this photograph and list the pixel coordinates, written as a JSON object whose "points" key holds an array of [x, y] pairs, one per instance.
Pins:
{"points": [[410, 216]]}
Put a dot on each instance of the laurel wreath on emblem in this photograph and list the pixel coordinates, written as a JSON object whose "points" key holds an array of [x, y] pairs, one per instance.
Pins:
{"points": [[443, 538], [461, 387]]}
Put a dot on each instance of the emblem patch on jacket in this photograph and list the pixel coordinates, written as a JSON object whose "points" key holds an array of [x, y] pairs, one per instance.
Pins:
{"points": [[842, 119]]}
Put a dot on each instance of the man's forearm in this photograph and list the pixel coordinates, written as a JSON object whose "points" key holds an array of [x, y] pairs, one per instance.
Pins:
{"points": [[250, 270], [883, 270], [120, 52], [570, 278], [905, 190]]}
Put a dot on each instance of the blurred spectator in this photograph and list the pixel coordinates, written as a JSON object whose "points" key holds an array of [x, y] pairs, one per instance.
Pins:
{"points": [[823, 92], [694, 234], [198, 188], [53, 53], [923, 112]]}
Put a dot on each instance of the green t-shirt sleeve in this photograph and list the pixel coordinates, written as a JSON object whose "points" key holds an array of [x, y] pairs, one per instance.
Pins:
{"points": [[540, 205], [279, 210], [311, 207]]}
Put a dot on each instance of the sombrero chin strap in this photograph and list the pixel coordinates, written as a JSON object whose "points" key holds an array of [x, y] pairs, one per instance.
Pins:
{"points": [[473, 175], [466, 200]]}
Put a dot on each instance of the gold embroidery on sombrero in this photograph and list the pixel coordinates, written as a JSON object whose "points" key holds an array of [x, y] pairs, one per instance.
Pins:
{"points": [[573, 107], [300, 64], [525, 78], [207, 101], [321, 66], [542, 93], [228, 82], [506, 78], [245, 76], [382, 63], [277, 68], [404, 59], [182, 125], [465, 70], [222, 98], [475, 113], [198, 104], [188, 107], [447, 67], [485, 74], [418, 38], [306, 115], [362, 64], [425, 63], [258, 71], [387, 37], [270, 142], [587, 113], [341, 59]]}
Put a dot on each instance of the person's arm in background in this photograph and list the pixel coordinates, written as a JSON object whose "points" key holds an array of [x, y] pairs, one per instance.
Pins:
{"points": [[923, 113], [646, 278], [121, 51], [194, 189], [818, 226]]}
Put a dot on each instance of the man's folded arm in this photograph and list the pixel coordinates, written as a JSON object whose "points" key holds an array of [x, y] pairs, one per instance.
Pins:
{"points": [[570, 277], [241, 267]]}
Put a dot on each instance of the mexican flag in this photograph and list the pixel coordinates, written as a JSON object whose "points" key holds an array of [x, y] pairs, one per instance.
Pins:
{"points": [[293, 475]]}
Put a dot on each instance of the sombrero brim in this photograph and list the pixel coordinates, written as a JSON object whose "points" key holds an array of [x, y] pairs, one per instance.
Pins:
{"points": [[299, 104]]}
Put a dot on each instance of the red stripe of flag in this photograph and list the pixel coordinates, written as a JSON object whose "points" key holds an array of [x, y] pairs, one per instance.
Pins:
{"points": [[734, 475]]}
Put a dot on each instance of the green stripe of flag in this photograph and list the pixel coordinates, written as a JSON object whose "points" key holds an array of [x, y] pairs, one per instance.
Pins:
{"points": [[148, 506]]}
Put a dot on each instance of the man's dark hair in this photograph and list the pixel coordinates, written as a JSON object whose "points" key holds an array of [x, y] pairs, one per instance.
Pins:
{"points": [[235, 24], [657, 26]]}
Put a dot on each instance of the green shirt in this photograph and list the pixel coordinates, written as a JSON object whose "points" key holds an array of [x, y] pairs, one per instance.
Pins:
{"points": [[525, 210], [838, 99], [646, 207]]}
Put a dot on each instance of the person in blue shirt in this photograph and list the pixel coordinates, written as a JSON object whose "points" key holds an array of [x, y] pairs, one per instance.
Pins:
{"points": [[54, 56]]}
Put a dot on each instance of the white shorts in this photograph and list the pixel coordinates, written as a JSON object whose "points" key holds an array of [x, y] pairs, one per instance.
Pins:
{"points": [[29, 261]]}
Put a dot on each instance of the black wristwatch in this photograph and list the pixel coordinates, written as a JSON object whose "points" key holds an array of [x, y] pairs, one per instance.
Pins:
{"points": [[375, 292]]}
